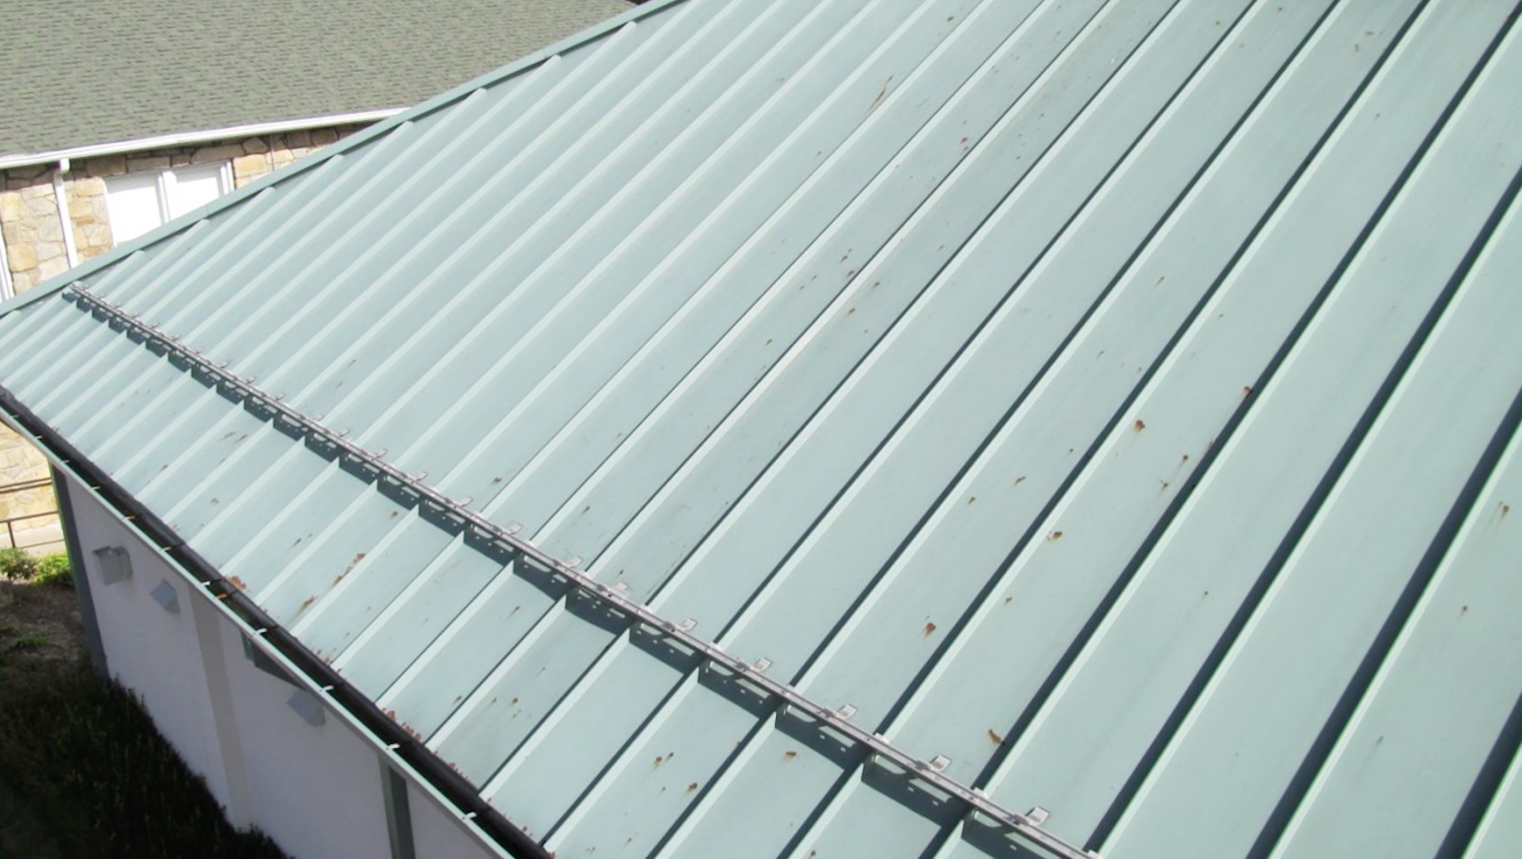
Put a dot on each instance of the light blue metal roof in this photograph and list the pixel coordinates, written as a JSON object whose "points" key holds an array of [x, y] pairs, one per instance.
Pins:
{"points": [[1112, 404]]}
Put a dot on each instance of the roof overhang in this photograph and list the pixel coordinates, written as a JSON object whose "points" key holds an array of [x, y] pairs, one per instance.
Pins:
{"points": [[193, 138], [406, 754]]}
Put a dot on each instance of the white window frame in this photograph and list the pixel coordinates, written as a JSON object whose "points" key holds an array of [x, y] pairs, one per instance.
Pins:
{"points": [[165, 181]]}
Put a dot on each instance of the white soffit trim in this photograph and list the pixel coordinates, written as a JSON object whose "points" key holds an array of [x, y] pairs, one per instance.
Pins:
{"points": [[193, 137]]}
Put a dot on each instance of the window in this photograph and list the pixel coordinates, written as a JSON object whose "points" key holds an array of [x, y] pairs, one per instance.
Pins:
{"points": [[139, 202]]}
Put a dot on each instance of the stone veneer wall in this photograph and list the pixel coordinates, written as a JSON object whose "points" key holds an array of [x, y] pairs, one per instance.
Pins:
{"points": [[33, 236], [34, 250], [19, 463]]}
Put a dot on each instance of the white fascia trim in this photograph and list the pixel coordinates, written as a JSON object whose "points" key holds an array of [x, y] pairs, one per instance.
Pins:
{"points": [[193, 137]]}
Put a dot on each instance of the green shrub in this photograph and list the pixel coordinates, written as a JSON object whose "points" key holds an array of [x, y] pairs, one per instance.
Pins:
{"points": [[17, 564], [105, 782], [54, 570]]}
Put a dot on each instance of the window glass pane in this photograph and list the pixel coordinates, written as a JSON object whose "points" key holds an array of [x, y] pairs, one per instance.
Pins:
{"points": [[193, 187], [132, 201]]}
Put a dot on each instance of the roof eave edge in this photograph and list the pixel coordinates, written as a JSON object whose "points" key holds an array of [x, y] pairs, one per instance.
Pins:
{"points": [[186, 138], [406, 753], [86, 269]]}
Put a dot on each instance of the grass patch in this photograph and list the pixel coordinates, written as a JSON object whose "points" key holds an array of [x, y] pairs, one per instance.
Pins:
{"points": [[103, 782], [27, 641], [83, 771]]}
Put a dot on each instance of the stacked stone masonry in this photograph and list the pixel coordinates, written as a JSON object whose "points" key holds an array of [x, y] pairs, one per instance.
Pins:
{"points": [[35, 252], [21, 464]]}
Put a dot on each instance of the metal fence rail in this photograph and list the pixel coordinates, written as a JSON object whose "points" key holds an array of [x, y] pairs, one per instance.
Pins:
{"points": [[10, 522]]}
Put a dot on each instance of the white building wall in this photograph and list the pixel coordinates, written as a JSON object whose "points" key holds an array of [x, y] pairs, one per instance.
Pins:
{"points": [[148, 649], [436, 833], [316, 790]]}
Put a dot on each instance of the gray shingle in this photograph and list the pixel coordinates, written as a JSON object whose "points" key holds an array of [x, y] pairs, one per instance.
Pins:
{"points": [[81, 73]]}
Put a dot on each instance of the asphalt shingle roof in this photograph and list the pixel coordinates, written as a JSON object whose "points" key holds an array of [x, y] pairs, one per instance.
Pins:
{"points": [[77, 73]]}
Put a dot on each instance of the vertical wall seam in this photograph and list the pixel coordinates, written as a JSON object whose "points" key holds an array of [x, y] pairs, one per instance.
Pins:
{"points": [[93, 645], [398, 812]]}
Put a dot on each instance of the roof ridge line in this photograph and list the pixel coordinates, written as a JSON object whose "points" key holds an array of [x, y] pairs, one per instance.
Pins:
{"points": [[1024, 827]]}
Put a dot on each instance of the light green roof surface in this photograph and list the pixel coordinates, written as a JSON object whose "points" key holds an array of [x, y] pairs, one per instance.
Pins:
{"points": [[1116, 401], [74, 74]]}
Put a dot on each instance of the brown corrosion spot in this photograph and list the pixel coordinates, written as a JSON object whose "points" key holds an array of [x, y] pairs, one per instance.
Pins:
{"points": [[1139, 425], [692, 787], [1246, 391], [1505, 508], [1008, 600], [306, 604], [359, 556], [237, 583], [1019, 480], [929, 628], [659, 759], [1055, 535], [787, 756], [972, 499], [995, 738]]}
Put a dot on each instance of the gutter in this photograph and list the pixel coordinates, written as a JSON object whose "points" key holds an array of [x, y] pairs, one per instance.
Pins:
{"points": [[138, 144], [393, 118], [6, 289], [65, 223], [405, 752]]}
